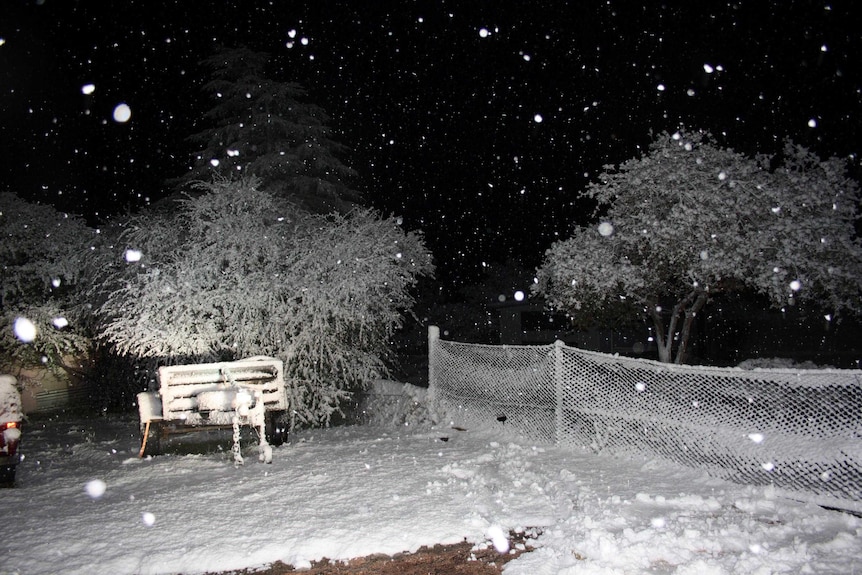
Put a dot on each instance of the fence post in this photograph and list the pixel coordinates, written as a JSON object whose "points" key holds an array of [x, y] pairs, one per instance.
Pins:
{"points": [[558, 389], [433, 343]]}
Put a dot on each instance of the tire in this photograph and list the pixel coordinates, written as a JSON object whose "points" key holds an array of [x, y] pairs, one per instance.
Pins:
{"points": [[7, 475], [275, 427], [151, 439]]}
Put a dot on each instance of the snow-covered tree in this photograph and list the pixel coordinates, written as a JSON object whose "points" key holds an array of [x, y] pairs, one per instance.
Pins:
{"points": [[47, 334], [40, 260], [37, 249], [690, 220], [263, 127], [238, 272]]}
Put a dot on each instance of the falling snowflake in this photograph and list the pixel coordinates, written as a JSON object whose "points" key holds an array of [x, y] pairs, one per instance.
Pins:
{"points": [[95, 488], [756, 437], [122, 113], [24, 329], [498, 538], [132, 255]]}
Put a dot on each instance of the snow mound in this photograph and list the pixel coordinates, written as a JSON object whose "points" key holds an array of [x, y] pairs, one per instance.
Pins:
{"points": [[778, 363], [392, 403], [352, 491]]}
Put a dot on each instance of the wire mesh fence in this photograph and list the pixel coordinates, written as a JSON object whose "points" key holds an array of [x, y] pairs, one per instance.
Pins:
{"points": [[798, 430]]}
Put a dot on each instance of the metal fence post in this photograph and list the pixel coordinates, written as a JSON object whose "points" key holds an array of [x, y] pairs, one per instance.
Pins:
{"points": [[433, 343]]}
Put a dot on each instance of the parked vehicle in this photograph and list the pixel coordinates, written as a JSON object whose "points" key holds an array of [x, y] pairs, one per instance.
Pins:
{"points": [[10, 428], [207, 396]]}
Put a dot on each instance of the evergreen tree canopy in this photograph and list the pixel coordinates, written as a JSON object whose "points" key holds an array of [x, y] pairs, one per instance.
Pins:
{"points": [[262, 127]]}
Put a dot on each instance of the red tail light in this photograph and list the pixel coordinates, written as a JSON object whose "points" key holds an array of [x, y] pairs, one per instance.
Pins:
{"points": [[10, 436]]}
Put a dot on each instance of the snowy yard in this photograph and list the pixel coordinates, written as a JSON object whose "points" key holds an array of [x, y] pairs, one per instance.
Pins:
{"points": [[85, 503]]}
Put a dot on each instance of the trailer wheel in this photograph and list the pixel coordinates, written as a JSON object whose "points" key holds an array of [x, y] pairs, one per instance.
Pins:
{"points": [[7, 475], [151, 439], [275, 427]]}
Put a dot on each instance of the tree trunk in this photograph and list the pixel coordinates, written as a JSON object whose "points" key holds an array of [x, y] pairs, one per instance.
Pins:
{"points": [[664, 344], [686, 309], [685, 335], [664, 350]]}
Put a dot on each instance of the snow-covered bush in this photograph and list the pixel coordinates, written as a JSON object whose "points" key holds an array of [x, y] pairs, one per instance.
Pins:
{"points": [[38, 249], [42, 334], [690, 220], [237, 272], [351, 280], [42, 317]]}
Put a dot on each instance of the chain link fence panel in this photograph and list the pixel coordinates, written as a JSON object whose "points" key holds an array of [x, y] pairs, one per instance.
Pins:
{"points": [[797, 430]]}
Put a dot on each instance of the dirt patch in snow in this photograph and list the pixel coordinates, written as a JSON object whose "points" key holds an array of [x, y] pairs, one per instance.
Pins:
{"points": [[463, 558]]}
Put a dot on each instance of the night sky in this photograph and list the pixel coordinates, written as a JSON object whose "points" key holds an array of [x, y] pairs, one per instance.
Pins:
{"points": [[477, 121]]}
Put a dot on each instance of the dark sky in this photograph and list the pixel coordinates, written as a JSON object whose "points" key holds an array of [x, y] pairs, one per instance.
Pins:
{"points": [[439, 101]]}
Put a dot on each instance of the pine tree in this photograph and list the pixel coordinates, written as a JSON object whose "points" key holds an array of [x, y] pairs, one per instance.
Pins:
{"points": [[263, 127]]}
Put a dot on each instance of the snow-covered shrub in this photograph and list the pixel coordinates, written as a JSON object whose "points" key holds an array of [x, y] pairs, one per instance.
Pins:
{"points": [[690, 220], [351, 281], [42, 316], [54, 339], [38, 249], [237, 272]]}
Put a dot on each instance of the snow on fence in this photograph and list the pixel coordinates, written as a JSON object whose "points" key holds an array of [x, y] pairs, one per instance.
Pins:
{"points": [[798, 430]]}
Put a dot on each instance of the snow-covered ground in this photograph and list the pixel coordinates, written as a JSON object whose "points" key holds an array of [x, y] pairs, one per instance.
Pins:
{"points": [[85, 503]]}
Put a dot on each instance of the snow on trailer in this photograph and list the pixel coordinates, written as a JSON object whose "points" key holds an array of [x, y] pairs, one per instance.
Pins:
{"points": [[207, 396]]}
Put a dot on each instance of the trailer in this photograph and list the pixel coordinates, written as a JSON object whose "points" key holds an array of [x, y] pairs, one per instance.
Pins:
{"points": [[209, 396]]}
